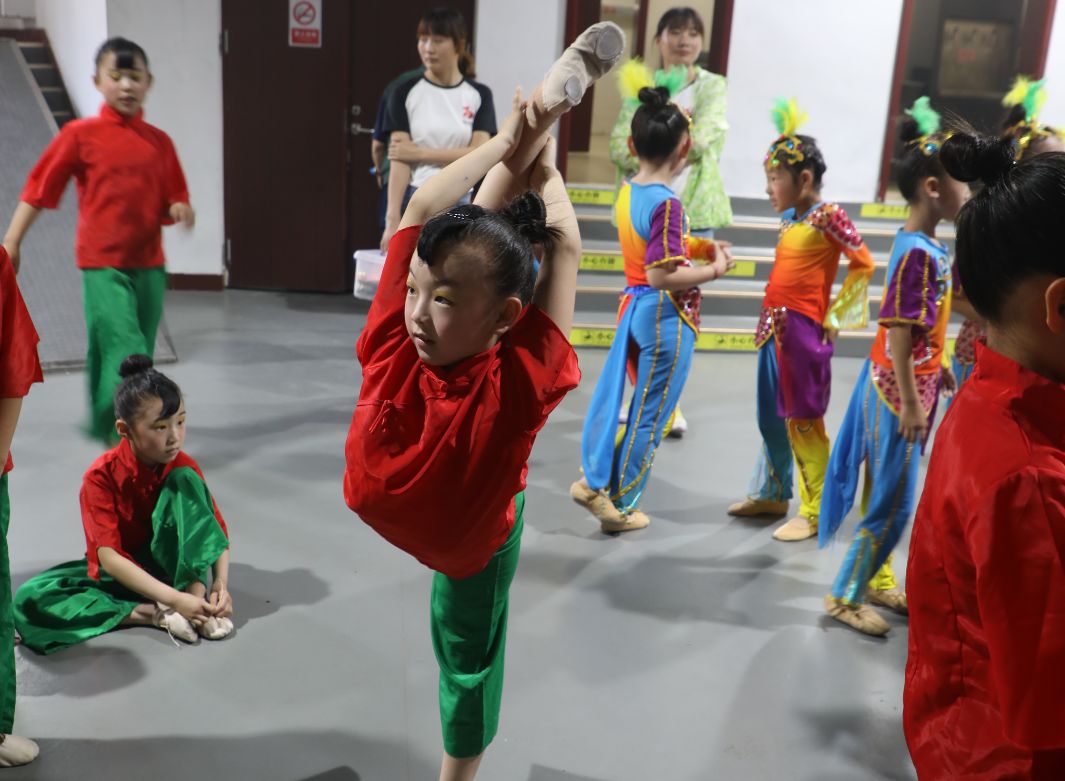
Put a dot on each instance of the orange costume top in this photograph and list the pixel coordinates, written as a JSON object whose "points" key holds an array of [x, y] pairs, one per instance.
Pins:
{"points": [[806, 263]]}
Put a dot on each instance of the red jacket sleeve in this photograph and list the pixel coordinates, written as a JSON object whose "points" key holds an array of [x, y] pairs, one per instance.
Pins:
{"points": [[49, 177], [385, 321], [99, 515], [539, 369], [1017, 541], [174, 186], [19, 364]]}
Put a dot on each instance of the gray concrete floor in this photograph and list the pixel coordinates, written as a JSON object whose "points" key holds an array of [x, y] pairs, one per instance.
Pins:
{"points": [[696, 649]]}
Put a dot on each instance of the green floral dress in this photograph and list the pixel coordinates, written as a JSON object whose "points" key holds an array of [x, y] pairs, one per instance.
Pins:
{"points": [[704, 198]]}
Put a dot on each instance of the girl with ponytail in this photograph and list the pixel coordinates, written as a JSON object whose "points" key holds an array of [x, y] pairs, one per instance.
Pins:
{"points": [[658, 319], [986, 579], [465, 353], [154, 536], [898, 386]]}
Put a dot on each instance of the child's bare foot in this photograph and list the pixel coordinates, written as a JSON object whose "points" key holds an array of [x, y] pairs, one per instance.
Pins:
{"points": [[16, 750], [215, 628], [174, 623], [596, 51]]}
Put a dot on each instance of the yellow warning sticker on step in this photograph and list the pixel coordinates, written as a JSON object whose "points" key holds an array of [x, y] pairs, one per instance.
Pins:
{"points": [[602, 262], [590, 196], [885, 211], [590, 261], [708, 341], [726, 341]]}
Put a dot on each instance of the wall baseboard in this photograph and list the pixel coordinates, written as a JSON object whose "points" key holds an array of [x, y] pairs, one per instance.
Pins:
{"points": [[196, 281]]}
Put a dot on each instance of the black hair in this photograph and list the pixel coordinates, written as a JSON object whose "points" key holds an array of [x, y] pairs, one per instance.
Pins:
{"points": [[658, 125], [679, 18], [504, 237], [812, 160], [450, 23], [1015, 126], [140, 383], [918, 159], [126, 53], [1009, 231]]}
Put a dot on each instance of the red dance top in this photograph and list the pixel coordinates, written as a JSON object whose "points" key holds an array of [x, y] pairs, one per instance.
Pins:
{"points": [[985, 679], [435, 455], [19, 365], [118, 497], [128, 176], [806, 263]]}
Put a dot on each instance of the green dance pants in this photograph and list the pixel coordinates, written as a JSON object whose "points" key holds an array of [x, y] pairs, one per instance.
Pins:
{"points": [[122, 312], [7, 621], [63, 606], [469, 630]]}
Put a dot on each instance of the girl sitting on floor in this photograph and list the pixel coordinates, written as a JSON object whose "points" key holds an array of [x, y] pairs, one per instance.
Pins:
{"points": [[152, 533]]}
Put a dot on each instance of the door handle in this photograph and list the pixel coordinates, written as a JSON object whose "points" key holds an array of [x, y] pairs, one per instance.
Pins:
{"points": [[357, 129]]}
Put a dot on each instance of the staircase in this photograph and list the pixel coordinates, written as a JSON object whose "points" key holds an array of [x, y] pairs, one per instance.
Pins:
{"points": [[730, 305], [37, 52]]}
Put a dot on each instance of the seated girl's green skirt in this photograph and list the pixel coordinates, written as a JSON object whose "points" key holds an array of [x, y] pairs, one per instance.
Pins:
{"points": [[63, 605]]}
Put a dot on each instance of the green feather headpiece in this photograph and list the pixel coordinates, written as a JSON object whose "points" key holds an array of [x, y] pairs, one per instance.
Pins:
{"points": [[788, 118], [928, 122]]}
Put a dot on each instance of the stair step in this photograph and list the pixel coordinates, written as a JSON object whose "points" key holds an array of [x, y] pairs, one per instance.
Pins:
{"points": [[34, 53], [45, 74]]}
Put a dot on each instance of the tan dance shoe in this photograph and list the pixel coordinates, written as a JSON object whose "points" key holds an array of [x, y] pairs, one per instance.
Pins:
{"points": [[860, 617], [596, 51], [630, 521], [750, 508], [798, 528], [894, 599], [596, 502], [16, 750]]}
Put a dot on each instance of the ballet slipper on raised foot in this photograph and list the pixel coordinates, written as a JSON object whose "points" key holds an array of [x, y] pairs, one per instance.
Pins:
{"points": [[215, 628], [16, 750], [595, 52], [894, 599], [630, 521], [750, 507], [176, 625], [798, 528], [860, 617]]}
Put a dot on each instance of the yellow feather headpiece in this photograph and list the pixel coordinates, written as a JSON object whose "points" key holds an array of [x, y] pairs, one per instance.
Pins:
{"points": [[788, 118]]}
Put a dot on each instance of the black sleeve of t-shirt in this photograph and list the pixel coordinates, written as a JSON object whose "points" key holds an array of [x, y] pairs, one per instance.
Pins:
{"points": [[485, 118], [396, 118]]}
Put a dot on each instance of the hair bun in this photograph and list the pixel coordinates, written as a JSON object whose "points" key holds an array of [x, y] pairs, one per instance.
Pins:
{"points": [[135, 364], [654, 97], [909, 130], [970, 157], [528, 214]]}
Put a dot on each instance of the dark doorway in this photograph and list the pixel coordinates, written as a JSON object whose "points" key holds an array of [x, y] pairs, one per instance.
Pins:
{"points": [[964, 54], [299, 196]]}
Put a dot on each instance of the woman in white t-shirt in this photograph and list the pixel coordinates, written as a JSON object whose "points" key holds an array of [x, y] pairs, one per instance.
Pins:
{"points": [[436, 117]]}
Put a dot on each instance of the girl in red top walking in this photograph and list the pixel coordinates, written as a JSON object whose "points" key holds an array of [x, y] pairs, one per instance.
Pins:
{"points": [[152, 534], [129, 185], [985, 678], [465, 354]]}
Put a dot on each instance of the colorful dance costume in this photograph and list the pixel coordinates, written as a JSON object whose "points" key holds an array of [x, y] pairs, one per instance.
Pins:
{"points": [[128, 177], [917, 295], [655, 341], [21, 368], [971, 333], [984, 677], [163, 519], [436, 464], [794, 372]]}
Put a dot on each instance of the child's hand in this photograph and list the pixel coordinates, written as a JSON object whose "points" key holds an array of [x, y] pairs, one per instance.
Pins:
{"points": [[220, 600], [405, 151], [949, 382], [13, 253], [913, 423], [183, 215], [193, 608], [510, 132]]}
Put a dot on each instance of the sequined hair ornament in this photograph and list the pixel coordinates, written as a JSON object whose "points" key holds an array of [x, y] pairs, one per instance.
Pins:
{"points": [[1032, 96], [787, 149], [928, 121]]}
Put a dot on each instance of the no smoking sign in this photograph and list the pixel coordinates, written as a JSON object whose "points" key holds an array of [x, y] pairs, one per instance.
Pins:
{"points": [[305, 23]]}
